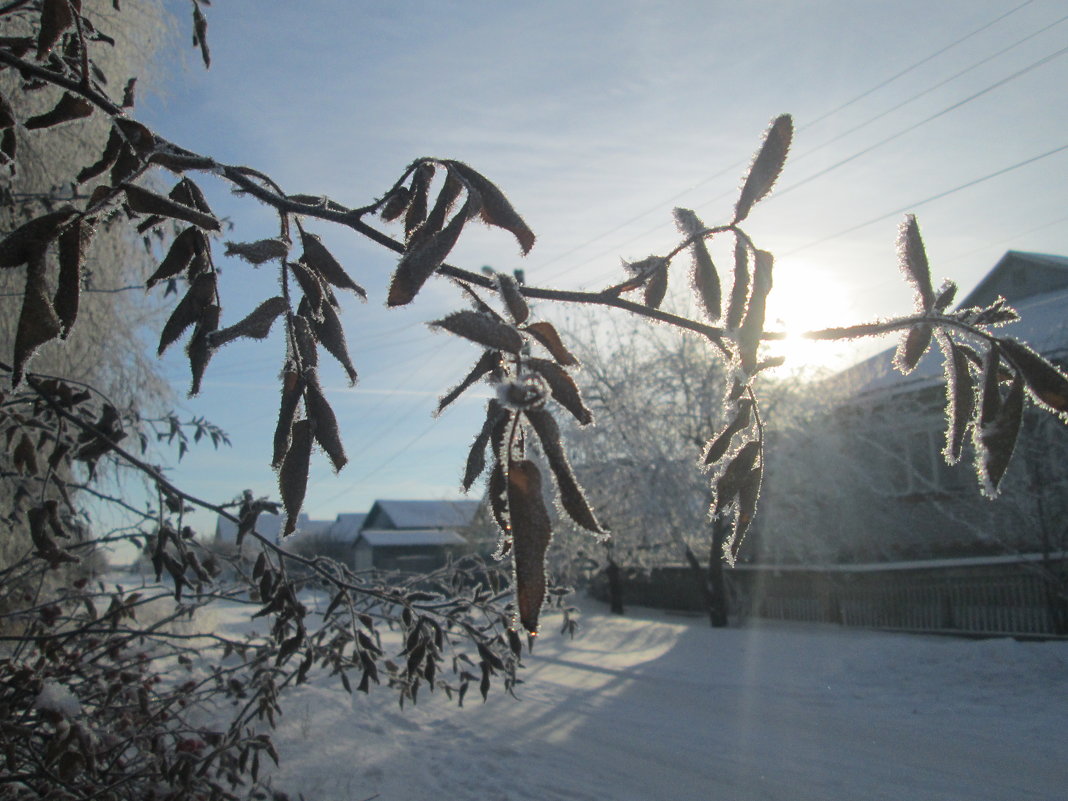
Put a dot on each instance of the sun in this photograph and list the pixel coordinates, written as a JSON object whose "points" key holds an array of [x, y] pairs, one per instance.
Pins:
{"points": [[806, 297]]}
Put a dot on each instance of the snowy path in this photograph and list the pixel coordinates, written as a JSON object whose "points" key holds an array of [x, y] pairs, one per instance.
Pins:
{"points": [[661, 707]]}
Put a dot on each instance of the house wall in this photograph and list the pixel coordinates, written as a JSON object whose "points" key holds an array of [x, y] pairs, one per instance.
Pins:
{"points": [[406, 559]]}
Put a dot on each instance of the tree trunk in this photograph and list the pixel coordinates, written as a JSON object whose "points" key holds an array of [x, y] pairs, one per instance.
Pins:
{"points": [[615, 587], [718, 601], [713, 608]]}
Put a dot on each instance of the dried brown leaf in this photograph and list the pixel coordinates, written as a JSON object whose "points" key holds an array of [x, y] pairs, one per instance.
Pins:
{"points": [[258, 252], [293, 473], [324, 423], [9, 145], [766, 166], [143, 201], [562, 386], [717, 448], [200, 295], [496, 210], [292, 390], [29, 241], [72, 244], [451, 189], [417, 205], [913, 345], [322, 261], [1046, 383], [56, 17], [482, 329], [912, 257], [489, 362], [395, 203], [305, 341], [126, 165], [531, 535], [546, 334], [946, 293], [476, 457], [740, 288], [734, 476], [422, 259], [513, 298], [572, 499], [257, 325], [107, 158], [200, 347], [497, 489], [38, 322], [200, 34], [656, 286], [998, 437], [70, 107], [7, 113], [179, 256], [705, 280], [753, 324], [748, 495], [143, 142], [311, 285], [24, 456], [960, 396], [331, 336]]}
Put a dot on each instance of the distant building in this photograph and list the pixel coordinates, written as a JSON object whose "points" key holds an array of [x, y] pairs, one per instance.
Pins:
{"points": [[870, 483], [397, 515], [413, 536], [270, 526]]}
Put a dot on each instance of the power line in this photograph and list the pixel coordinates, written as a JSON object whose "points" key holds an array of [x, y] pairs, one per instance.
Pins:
{"points": [[743, 163], [914, 126], [898, 134], [929, 89], [919, 63], [938, 196]]}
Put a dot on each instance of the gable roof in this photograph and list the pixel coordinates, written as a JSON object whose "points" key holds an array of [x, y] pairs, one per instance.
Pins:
{"points": [[1043, 325], [421, 514], [1019, 275], [346, 526]]}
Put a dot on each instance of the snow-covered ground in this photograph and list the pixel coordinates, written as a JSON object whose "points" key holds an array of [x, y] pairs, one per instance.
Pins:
{"points": [[656, 706]]}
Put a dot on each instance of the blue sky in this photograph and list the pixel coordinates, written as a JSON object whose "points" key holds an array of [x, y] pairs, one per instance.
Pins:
{"points": [[597, 118]]}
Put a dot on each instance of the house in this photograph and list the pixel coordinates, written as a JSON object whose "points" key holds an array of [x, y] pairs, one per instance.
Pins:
{"points": [[867, 482], [270, 526], [412, 536]]}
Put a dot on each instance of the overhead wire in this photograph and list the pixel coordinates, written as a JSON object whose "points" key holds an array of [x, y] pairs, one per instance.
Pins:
{"points": [[741, 163], [897, 135], [939, 195], [975, 95]]}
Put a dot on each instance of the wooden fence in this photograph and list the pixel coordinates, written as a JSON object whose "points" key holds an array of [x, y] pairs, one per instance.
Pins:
{"points": [[1017, 595]]}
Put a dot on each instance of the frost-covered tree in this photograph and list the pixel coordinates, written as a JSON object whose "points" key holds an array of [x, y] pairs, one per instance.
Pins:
{"points": [[102, 710]]}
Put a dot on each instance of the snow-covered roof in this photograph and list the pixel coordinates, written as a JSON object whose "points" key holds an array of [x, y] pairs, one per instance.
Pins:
{"points": [[345, 527], [1019, 275], [411, 538], [269, 525], [421, 514], [1043, 325]]}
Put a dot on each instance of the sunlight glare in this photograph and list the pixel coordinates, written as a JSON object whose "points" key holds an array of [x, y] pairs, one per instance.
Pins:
{"points": [[806, 297]]}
